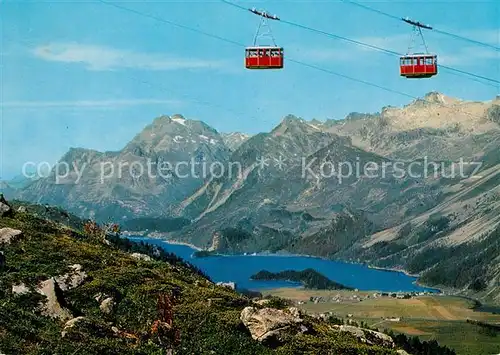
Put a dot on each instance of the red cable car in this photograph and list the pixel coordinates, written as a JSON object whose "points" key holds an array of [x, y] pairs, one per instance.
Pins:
{"points": [[418, 65], [264, 56]]}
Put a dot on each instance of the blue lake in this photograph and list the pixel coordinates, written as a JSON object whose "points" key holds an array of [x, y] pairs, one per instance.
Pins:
{"points": [[239, 268]]}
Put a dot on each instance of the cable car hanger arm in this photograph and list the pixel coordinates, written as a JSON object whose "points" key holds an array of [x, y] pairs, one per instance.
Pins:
{"points": [[416, 23], [264, 14]]}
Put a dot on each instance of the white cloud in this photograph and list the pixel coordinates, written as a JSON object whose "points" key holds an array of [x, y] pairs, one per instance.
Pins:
{"points": [[468, 56], [85, 103], [106, 58]]}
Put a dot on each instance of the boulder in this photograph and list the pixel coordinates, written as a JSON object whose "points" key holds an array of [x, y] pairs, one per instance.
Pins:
{"points": [[100, 296], [8, 235], [230, 285], [20, 289], [402, 352], [272, 325], [140, 256], [261, 302], [367, 336], [72, 279], [52, 307], [70, 324], [22, 209], [107, 305]]}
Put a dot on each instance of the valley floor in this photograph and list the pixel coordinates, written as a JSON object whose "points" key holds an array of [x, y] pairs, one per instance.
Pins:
{"points": [[443, 318]]}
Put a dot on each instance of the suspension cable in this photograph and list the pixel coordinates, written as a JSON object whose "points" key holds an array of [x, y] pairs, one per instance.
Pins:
{"points": [[328, 71], [387, 51], [470, 40], [243, 45]]}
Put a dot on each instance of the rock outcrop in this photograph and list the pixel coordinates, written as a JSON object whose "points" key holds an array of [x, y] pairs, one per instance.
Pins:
{"points": [[230, 285], [52, 307], [272, 325], [8, 235], [107, 305], [367, 336], [20, 289], [70, 324], [216, 242], [72, 279], [140, 256]]}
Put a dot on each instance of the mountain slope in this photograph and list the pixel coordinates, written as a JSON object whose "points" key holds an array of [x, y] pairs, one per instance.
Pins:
{"points": [[66, 291], [397, 222], [158, 168], [285, 208], [455, 244], [6, 189], [234, 140], [435, 126]]}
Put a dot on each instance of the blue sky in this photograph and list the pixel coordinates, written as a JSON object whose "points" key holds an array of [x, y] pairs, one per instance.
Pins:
{"points": [[86, 74]]}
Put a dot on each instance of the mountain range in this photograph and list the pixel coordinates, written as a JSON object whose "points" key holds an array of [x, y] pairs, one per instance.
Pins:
{"points": [[429, 203]]}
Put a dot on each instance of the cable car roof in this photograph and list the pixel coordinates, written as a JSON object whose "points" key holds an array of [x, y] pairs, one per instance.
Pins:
{"points": [[264, 47], [418, 55], [264, 14]]}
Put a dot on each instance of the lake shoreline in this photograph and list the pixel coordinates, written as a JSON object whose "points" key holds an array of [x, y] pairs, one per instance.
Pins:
{"points": [[287, 254], [163, 237], [158, 236]]}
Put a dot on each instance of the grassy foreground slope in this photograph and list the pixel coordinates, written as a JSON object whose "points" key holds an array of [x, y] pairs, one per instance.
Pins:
{"points": [[161, 305]]}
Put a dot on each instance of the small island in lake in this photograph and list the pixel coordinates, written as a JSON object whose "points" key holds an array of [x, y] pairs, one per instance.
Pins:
{"points": [[310, 278], [204, 253]]}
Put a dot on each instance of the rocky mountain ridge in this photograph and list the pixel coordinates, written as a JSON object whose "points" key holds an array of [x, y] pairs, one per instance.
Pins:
{"points": [[303, 187]]}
